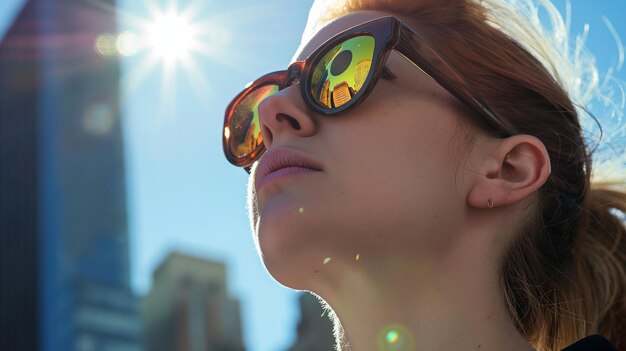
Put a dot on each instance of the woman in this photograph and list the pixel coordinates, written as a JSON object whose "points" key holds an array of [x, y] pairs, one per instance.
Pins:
{"points": [[427, 177]]}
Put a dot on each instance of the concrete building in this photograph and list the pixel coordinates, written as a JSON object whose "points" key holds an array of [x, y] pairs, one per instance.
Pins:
{"points": [[315, 331], [64, 270], [188, 308]]}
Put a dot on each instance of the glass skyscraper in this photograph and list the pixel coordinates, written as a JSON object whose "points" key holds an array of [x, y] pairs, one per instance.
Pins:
{"points": [[64, 251]]}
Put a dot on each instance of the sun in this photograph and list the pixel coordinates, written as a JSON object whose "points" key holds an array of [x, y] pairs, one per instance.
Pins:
{"points": [[171, 36], [175, 47]]}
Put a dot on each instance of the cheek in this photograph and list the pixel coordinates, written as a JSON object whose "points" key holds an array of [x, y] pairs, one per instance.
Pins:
{"points": [[400, 178]]}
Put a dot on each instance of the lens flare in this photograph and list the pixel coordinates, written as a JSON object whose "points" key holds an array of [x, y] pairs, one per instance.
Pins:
{"points": [[396, 337], [98, 119], [127, 43], [105, 44], [392, 337]]}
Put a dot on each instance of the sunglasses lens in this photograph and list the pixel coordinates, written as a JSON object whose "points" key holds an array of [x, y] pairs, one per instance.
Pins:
{"points": [[339, 76], [244, 130]]}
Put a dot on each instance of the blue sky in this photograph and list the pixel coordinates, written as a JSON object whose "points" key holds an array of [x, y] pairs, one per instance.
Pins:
{"points": [[8, 11], [183, 195]]}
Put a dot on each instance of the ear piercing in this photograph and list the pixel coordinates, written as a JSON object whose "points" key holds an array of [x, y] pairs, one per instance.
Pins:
{"points": [[489, 202]]}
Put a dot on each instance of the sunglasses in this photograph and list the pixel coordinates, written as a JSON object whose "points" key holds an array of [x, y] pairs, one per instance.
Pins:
{"points": [[338, 76]]}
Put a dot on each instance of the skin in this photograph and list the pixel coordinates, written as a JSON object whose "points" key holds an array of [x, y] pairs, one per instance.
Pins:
{"points": [[400, 189]]}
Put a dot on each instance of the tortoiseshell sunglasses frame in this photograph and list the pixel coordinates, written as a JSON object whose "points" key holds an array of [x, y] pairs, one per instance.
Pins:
{"points": [[389, 33]]}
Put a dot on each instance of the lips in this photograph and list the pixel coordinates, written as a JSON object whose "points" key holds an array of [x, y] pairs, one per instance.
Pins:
{"points": [[278, 159]]}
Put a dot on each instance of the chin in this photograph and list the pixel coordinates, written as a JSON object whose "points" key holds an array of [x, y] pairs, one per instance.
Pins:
{"points": [[292, 249], [281, 248]]}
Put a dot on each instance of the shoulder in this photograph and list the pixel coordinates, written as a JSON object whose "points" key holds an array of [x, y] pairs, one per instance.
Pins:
{"points": [[591, 343]]}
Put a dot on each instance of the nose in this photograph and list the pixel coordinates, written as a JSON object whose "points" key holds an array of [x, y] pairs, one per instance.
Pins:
{"points": [[285, 115]]}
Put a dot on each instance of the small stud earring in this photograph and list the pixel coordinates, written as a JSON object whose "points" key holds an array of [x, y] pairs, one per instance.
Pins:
{"points": [[507, 156], [489, 203]]}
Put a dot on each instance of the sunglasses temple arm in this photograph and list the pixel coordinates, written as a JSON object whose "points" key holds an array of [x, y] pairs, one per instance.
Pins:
{"points": [[421, 54]]}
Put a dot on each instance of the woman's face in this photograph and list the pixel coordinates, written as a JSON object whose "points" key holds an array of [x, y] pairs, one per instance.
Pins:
{"points": [[388, 185]]}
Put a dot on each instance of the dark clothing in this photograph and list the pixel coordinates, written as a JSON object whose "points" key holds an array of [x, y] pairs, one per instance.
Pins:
{"points": [[591, 343]]}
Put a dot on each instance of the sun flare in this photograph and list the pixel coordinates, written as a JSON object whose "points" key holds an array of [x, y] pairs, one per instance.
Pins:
{"points": [[178, 45], [171, 36]]}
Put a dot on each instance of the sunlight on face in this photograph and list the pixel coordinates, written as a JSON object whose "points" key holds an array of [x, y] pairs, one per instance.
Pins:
{"points": [[171, 36]]}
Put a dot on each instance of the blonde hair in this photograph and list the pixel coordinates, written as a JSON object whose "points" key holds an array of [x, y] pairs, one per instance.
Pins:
{"points": [[564, 276]]}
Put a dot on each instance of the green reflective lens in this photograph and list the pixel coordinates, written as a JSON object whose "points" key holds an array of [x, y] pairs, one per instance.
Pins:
{"points": [[339, 76], [244, 132]]}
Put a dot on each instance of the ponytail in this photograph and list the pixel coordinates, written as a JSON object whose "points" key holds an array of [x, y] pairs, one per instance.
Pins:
{"points": [[599, 268]]}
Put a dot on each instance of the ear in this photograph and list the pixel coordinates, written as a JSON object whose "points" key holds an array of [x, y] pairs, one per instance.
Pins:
{"points": [[509, 172]]}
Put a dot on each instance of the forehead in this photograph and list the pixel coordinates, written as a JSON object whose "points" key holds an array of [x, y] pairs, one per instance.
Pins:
{"points": [[332, 28]]}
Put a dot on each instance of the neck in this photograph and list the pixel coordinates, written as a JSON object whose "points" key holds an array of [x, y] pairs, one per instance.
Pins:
{"points": [[457, 305]]}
